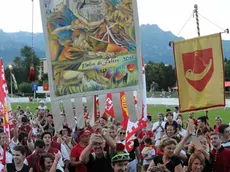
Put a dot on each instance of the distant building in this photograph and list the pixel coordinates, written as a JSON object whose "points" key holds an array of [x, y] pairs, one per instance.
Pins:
{"points": [[43, 67]]}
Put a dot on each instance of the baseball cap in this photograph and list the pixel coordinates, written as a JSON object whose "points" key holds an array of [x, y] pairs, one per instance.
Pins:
{"points": [[85, 134]]}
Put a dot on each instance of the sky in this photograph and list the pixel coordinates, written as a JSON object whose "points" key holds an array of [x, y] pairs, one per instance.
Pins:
{"points": [[169, 15]]}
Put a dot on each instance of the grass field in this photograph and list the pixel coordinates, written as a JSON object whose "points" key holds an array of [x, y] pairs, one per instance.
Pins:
{"points": [[154, 110]]}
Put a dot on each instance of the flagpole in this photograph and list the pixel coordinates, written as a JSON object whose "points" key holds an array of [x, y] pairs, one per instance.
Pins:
{"points": [[197, 19]]}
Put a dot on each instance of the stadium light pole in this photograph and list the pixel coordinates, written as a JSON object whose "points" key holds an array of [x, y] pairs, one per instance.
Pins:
{"points": [[11, 80]]}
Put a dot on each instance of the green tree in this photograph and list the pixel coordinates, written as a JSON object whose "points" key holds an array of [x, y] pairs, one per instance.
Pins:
{"points": [[163, 75], [227, 69], [25, 87], [21, 67]]}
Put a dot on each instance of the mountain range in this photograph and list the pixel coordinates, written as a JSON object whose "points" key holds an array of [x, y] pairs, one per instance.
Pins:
{"points": [[155, 44]]}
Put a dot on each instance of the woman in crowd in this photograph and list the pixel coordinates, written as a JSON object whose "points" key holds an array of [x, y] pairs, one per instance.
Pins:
{"points": [[168, 161], [196, 162], [48, 162]]}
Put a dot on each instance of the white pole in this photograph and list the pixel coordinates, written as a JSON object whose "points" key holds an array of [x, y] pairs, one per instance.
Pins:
{"points": [[11, 84]]}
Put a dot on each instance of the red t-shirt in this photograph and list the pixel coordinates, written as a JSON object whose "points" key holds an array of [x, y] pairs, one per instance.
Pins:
{"points": [[33, 162], [221, 160], [76, 152], [25, 129], [148, 134], [53, 150]]}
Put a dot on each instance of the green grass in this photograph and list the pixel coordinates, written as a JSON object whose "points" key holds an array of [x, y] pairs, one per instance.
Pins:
{"points": [[223, 113], [154, 110]]}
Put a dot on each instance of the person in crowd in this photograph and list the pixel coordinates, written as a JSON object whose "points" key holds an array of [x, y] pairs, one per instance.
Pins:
{"points": [[49, 163], [202, 126], [220, 156], [168, 162], [144, 133], [218, 122], [113, 131], [191, 116], [9, 143], [159, 127], [149, 122], [19, 155], [33, 160], [76, 164], [66, 139], [98, 160], [47, 138], [224, 130], [135, 157], [181, 129], [28, 114], [25, 125], [175, 113], [103, 121], [42, 106], [49, 125], [148, 152], [17, 112], [120, 161], [196, 162], [170, 121]]}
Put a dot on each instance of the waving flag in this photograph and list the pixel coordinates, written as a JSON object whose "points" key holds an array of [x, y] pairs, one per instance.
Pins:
{"points": [[5, 107], [109, 105], [200, 73], [134, 127]]}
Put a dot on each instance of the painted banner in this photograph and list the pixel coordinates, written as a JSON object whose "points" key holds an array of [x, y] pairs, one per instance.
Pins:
{"points": [[5, 107], [93, 47], [200, 73]]}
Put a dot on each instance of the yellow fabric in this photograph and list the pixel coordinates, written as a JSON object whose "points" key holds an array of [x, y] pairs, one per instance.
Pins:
{"points": [[206, 66]]}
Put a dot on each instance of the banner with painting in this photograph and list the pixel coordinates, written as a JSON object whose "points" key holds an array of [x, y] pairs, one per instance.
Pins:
{"points": [[93, 47]]}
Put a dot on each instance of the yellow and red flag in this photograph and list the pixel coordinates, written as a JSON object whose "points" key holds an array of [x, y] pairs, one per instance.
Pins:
{"points": [[124, 108], [200, 73]]}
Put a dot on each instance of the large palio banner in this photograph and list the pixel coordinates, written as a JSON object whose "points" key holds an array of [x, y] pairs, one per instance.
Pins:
{"points": [[200, 73], [93, 47]]}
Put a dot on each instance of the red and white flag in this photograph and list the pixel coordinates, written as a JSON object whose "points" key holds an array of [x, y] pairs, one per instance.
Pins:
{"points": [[109, 105], [134, 127]]}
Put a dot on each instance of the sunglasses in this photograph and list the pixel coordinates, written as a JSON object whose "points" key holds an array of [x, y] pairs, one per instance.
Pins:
{"points": [[122, 133]]}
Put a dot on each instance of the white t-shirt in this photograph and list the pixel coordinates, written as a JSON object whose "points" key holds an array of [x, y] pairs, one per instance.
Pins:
{"points": [[8, 154], [183, 132], [159, 132], [151, 152], [175, 115], [42, 108]]}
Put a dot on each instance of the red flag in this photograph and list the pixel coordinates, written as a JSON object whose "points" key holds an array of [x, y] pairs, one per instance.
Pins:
{"points": [[124, 108], [45, 86], [109, 105]]}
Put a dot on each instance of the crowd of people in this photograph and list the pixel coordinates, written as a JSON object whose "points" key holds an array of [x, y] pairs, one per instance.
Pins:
{"points": [[169, 144]]}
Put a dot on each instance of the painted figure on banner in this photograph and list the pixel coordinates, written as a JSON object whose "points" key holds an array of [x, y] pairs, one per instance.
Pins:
{"points": [[92, 45]]}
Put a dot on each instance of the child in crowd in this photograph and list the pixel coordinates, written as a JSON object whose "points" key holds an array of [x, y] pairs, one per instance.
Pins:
{"points": [[148, 152]]}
